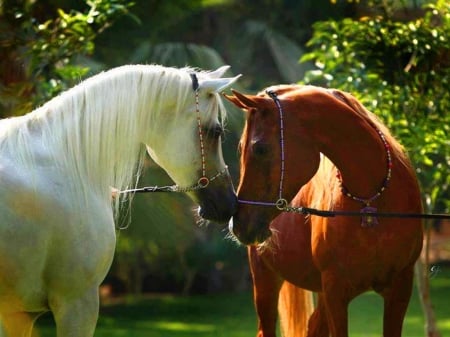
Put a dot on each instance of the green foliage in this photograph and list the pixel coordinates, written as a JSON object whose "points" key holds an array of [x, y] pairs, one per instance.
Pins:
{"points": [[399, 70], [46, 50], [164, 249], [260, 45], [177, 54], [163, 239]]}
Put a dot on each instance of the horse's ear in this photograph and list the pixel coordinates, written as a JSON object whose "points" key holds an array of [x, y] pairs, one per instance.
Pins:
{"points": [[245, 101], [233, 99], [216, 85], [218, 73]]}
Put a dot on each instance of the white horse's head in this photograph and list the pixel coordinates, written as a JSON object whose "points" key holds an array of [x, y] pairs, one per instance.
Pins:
{"points": [[186, 141]]}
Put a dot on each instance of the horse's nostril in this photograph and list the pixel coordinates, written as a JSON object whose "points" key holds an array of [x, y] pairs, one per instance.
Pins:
{"points": [[214, 212]]}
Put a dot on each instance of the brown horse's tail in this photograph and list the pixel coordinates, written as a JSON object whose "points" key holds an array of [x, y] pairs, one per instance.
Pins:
{"points": [[295, 306]]}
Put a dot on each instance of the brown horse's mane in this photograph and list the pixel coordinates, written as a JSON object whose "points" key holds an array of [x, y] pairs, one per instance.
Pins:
{"points": [[397, 149]]}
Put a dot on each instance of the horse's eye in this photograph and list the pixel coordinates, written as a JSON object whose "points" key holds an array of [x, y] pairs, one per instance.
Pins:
{"points": [[260, 148]]}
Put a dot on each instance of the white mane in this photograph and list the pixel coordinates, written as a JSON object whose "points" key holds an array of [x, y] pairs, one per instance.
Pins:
{"points": [[92, 133]]}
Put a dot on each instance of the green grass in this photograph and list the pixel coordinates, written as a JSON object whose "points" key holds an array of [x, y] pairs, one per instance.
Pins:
{"points": [[366, 311], [174, 316], [232, 315]]}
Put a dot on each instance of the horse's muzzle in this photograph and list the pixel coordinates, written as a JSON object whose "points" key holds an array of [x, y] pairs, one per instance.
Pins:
{"points": [[218, 201]]}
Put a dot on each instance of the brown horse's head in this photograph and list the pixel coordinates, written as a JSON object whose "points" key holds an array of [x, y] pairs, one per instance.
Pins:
{"points": [[261, 162]]}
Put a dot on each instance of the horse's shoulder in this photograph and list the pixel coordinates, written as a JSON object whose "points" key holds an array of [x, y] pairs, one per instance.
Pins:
{"points": [[9, 172]]}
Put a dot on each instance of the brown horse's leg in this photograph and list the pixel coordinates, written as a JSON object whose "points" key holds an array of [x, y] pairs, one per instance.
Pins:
{"points": [[318, 325], [396, 300], [266, 286], [336, 300]]}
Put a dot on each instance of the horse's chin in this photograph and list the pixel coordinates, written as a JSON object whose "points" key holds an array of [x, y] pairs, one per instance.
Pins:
{"points": [[202, 213], [253, 237], [263, 236]]}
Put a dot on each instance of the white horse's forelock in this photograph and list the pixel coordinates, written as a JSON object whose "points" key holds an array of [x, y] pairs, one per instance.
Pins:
{"points": [[92, 132]]}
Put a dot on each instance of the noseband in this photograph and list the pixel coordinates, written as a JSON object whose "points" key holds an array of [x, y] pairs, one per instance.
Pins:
{"points": [[203, 181]]}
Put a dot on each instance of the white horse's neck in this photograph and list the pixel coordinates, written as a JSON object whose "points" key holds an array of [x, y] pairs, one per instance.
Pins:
{"points": [[93, 133]]}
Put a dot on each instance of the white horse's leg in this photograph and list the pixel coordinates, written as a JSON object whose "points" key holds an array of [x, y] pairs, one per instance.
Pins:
{"points": [[76, 317]]}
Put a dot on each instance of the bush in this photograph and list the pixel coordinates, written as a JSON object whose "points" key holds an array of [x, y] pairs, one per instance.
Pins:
{"points": [[400, 71]]}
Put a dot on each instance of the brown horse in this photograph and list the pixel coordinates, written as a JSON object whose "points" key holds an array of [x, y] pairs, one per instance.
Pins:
{"points": [[362, 169]]}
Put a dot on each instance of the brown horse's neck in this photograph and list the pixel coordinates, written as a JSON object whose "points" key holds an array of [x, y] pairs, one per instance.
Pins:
{"points": [[353, 144], [361, 162]]}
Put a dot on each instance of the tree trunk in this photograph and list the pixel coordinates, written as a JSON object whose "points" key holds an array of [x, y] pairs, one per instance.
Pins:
{"points": [[423, 285]]}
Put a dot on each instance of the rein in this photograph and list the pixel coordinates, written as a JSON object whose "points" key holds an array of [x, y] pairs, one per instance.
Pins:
{"points": [[369, 214], [366, 213], [203, 181]]}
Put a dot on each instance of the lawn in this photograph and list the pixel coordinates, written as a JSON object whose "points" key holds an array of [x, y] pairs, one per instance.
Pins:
{"points": [[232, 315]]}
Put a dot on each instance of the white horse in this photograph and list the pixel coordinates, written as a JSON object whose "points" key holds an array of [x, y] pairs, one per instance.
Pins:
{"points": [[59, 163]]}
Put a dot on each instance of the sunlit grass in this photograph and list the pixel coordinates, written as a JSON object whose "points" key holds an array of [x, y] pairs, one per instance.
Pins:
{"points": [[233, 315], [182, 326], [207, 3], [366, 312]]}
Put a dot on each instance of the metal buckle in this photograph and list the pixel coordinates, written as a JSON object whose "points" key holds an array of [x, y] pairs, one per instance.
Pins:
{"points": [[281, 204]]}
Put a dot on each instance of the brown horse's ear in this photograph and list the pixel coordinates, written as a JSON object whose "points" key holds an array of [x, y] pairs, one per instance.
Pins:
{"points": [[233, 99], [245, 101]]}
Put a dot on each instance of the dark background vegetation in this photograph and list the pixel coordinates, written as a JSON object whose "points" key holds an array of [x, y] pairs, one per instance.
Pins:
{"points": [[393, 55]]}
